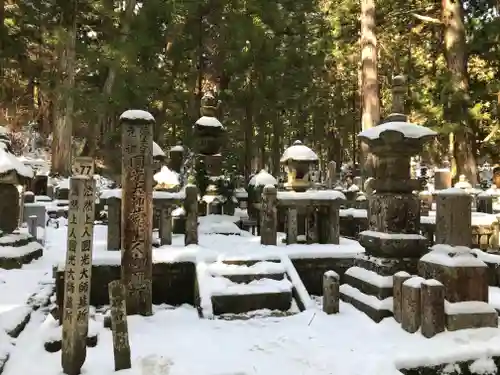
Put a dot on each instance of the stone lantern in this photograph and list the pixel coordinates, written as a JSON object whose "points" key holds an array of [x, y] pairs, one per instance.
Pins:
{"points": [[298, 160], [12, 174], [158, 157], [208, 131], [255, 187], [176, 158], [166, 180], [394, 210]]}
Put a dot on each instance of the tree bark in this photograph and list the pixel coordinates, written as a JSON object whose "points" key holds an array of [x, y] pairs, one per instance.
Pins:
{"points": [[455, 49], [369, 79], [63, 109]]}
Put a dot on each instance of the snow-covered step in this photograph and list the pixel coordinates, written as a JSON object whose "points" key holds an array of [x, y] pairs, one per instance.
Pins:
{"points": [[470, 314], [219, 295], [247, 273], [375, 308], [369, 282], [230, 297]]}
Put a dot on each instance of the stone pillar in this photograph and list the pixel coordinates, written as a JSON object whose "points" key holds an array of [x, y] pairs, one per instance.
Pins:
{"points": [[9, 207], [291, 227], [398, 279], [484, 203], [268, 216], [331, 294], [432, 306], [119, 327], [453, 218], [29, 197], [442, 179], [410, 307], [77, 273], [331, 176], [137, 210], [20, 221], [191, 208], [311, 225], [32, 227], [333, 223], [165, 230], [114, 221]]}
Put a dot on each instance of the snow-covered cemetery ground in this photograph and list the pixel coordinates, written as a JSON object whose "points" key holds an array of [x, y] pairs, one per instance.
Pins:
{"points": [[176, 341]]}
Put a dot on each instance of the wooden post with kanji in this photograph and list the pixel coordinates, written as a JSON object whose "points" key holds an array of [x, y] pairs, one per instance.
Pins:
{"points": [[137, 210], [77, 274]]}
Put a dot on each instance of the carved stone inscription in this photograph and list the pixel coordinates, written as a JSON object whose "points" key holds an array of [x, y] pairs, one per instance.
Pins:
{"points": [[121, 346], [77, 273], [137, 214]]}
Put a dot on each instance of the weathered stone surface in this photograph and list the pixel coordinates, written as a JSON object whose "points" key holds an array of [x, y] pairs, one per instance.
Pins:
{"points": [[191, 208], [9, 207], [77, 274], [386, 266], [442, 179], [121, 346], [483, 317], [291, 227], [331, 292], [114, 223], [462, 281], [394, 213], [398, 279], [373, 313], [410, 305], [432, 307], [137, 211], [165, 230], [381, 292], [268, 216], [242, 303], [453, 218]]}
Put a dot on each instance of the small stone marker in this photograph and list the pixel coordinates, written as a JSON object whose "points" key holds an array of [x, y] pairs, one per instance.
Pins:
{"points": [[291, 226], [137, 210], [83, 166], [398, 279], [453, 217], [165, 230], [119, 327], [268, 216], [191, 208], [410, 307], [32, 227], [77, 274], [442, 179], [331, 293], [432, 307]]}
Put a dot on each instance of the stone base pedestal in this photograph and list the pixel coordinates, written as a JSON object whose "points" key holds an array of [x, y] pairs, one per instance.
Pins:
{"points": [[387, 266], [393, 245]]}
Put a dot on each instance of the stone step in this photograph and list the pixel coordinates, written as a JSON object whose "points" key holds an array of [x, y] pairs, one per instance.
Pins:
{"points": [[375, 308], [247, 273], [247, 262], [228, 297], [369, 282], [470, 314]]}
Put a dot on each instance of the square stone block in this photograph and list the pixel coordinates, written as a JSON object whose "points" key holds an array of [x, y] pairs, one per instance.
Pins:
{"points": [[464, 276]]}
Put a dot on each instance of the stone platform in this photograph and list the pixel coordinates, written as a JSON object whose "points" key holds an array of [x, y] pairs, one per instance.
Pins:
{"points": [[17, 249]]}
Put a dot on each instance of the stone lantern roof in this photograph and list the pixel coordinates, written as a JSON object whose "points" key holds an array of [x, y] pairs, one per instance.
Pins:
{"points": [[396, 137], [208, 121], [12, 169], [263, 178], [157, 151], [298, 152]]}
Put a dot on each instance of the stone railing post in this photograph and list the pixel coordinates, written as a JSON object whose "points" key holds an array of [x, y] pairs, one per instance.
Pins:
{"points": [[432, 307], [331, 174], [268, 216], [165, 230], [484, 203], [398, 279], [453, 217], [137, 210], [331, 293], [119, 327], [311, 225], [77, 274], [191, 208], [291, 226], [333, 224], [32, 227], [114, 221], [410, 306]]}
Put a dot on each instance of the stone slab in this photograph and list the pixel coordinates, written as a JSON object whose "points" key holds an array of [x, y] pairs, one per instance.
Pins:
{"points": [[242, 303]]}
